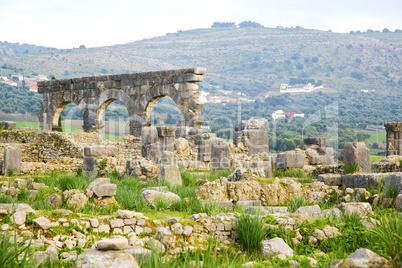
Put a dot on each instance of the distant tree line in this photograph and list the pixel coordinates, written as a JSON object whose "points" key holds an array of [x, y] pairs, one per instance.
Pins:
{"points": [[243, 24]]}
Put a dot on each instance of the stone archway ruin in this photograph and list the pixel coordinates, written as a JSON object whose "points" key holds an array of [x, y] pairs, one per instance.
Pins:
{"points": [[138, 91]]}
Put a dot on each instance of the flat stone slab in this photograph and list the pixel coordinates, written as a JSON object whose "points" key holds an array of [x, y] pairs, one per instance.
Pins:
{"points": [[253, 203], [100, 259], [100, 151], [365, 180], [112, 243], [267, 210], [221, 204]]}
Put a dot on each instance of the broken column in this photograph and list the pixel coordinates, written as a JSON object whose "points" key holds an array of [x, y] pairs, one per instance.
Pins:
{"points": [[394, 138], [203, 142], [169, 170], [12, 161], [220, 154], [91, 153], [357, 152], [291, 159], [150, 144], [166, 137], [317, 151], [254, 135]]}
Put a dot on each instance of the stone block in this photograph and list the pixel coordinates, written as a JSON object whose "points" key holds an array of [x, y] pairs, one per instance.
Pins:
{"points": [[330, 179], [203, 142], [362, 180], [275, 246], [393, 181], [150, 144], [318, 141], [228, 205], [170, 173], [220, 154], [5, 125], [90, 167], [253, 134], [254, 203], [168, 158], [357, 152], [12, 161], [290, 159], [322, 160], [100, 151]]}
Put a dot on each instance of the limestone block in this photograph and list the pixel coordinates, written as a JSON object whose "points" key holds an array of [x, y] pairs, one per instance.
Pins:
{"points": [[90, 167], [112, 243], [220, 154], [330, 179], [275, 246], [96, 258], [366, 181], [170, 173], [151, 197], [319, 141], [362, 208], [100, 151], [357, 152], [19, 217], [54, 200], [12, 161], [309, 211], [203, 142], [291, 159], [168, 158], [393, 181]]}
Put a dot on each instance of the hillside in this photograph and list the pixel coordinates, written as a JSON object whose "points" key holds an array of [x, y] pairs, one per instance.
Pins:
{"points": [[248, 60]]}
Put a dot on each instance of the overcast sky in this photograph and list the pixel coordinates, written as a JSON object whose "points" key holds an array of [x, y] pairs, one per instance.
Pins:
{"points": [[68, 24]]}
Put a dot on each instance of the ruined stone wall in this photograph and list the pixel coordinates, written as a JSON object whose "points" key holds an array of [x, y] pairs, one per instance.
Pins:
{"points": [[47, 151]]}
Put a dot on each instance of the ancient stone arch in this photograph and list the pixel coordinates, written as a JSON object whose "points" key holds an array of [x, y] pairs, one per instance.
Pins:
{"points": [[138, 91]]}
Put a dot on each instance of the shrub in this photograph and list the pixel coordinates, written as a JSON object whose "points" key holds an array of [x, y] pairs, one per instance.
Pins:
{"points": [[10, 172], [388, 236], [250, 231]]}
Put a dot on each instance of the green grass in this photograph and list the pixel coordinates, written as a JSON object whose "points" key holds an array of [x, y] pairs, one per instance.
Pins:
{"points": [[350, 167], [376, 158], [14, 254], [382, 136], [296, 202], [291, 173], [251, 230], [388, 236]]}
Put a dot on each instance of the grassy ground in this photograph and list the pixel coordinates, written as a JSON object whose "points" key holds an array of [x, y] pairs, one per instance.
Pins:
{"points": [[250, 228]]}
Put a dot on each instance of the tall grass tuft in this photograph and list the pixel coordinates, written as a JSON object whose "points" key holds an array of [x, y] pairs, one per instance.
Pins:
{"points": [[250, 231], [290, 173], [296, 202], [390, 191], [388, 236], [350, 167], [128, 194], [14, 254]]}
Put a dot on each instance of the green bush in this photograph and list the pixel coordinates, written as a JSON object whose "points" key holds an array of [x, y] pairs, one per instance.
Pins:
{"points": [[250, 231], [388, 236]]}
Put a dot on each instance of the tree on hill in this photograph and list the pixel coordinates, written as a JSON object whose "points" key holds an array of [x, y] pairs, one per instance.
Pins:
{"points": [[223, 25], [250, 24]]}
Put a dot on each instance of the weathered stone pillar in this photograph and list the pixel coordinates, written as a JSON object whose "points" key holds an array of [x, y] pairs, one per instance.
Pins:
{"points": [[150, 144], [203, 142], [254, 135], [394, 138], [12, 161], [166, 138], [220, 154], [357, 152], [89, 115]]}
